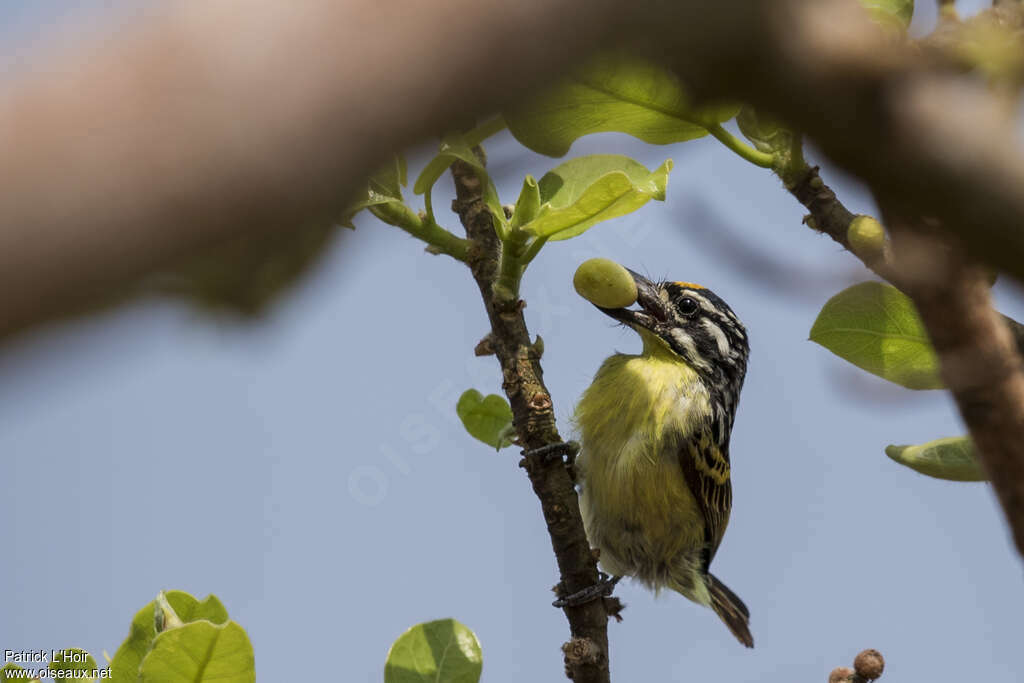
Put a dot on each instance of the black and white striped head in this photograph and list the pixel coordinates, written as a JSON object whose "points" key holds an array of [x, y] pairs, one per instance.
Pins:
{"points": [[695, 324]]}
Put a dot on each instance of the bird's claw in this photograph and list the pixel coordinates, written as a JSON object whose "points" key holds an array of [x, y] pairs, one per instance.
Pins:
{"points": [[602, 589]]}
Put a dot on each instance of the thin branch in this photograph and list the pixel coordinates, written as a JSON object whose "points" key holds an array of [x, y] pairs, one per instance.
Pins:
{"points": [[830, 217], [586, 655]]}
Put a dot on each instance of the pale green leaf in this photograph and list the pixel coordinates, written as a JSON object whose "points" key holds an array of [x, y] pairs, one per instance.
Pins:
{"points": [[384, 186], [125, 664], [951, 458], [73, 663], [587, 190], [455, 147], [614, 92], [200, 652], [876, 327], [528, 203], [442, 651], [487, 418]]}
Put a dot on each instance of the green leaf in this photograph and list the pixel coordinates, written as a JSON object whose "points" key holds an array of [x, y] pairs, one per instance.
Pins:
{"points": [[876, 327], [528, 203], [766, 134], [587, 190], [950, 458], [198, 652], [442, 651], [890, 13], [383, 187], [488, 419], [455, 147], [125, 664], [7, 674], [615, 92], [73, 660]]}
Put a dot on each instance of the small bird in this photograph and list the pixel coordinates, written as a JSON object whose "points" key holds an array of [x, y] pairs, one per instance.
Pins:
{"points": [[654, 430]]}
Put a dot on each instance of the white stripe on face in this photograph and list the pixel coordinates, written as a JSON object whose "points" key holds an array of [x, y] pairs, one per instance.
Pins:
{"points": [[720, 338]]}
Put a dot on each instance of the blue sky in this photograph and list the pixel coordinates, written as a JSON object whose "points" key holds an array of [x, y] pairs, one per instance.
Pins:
{"points": [[310, 471]]}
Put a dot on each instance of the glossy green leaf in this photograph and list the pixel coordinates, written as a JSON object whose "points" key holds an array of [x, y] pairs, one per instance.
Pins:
{"points": [[442, 651], [951, 458], [125, 664], [200, 652], [487, 418], [894, 13], [7, 674], [615, 92], [587, 190], [73, 663], [876, 327]]}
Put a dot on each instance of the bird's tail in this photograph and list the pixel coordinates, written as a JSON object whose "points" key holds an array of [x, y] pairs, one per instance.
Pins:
{"points": [[731, 610]]}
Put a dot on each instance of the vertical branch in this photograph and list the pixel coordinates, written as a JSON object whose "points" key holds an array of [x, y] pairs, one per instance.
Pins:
{"points": [[978, 356], [586, 655]]}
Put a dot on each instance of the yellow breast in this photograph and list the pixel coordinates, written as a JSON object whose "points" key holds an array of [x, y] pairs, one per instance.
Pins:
{"points": [[632, 420]]}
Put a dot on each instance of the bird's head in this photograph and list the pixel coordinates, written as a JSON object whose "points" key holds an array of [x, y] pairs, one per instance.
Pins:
{"points": [[693, 324]]}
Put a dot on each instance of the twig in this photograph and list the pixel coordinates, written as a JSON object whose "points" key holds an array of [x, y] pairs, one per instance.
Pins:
{"points": [[830, 217], [586, 655]]}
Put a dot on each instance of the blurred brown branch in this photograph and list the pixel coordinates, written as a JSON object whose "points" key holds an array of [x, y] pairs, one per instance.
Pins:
{"points": [[219, 118]]}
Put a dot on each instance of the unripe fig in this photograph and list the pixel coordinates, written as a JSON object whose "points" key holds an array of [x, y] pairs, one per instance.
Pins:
{"points": [[605, 283], [866, 237]]}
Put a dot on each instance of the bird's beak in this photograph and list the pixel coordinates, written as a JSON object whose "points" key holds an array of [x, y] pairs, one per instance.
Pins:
{"points": [[652, 308]]}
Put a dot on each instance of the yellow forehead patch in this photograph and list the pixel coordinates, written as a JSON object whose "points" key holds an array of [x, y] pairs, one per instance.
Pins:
{"points": [[690, 285]]}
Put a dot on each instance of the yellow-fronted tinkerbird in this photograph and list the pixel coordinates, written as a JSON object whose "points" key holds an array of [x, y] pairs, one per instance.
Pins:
{"points": [[654, 428]]}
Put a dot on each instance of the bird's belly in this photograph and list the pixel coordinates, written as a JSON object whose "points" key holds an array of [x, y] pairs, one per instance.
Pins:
{"points": [[636, 506], [642, 516]]}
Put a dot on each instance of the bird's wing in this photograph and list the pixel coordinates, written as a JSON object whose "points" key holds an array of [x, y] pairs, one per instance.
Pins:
{"points": [[705, 466]]}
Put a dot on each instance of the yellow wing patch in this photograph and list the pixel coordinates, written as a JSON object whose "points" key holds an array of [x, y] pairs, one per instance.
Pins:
{"points": [[690, 285]]}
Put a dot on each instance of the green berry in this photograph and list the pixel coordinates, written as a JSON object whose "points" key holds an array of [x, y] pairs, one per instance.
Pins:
{"points": [[866, 237], [605, 283]]}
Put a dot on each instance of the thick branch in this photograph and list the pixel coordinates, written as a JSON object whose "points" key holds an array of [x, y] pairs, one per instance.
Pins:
{"points": [[978, 357], [586, 656]]}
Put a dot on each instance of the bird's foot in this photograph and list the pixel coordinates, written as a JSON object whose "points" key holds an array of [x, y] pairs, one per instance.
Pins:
{"points": [[569, 449], [602, 589]]}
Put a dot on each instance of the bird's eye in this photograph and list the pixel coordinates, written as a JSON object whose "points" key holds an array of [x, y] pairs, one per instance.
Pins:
{"points": [[687, 306]]}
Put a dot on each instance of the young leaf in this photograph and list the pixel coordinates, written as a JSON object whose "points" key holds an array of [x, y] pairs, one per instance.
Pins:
{"points": [[125, 664], [488, 419], [587, 190], [383, 187], [528, 203], [950, 458], [615, 92], [444, 651], [73, 663], [199, 652], [876, 327], [455, 147]]}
